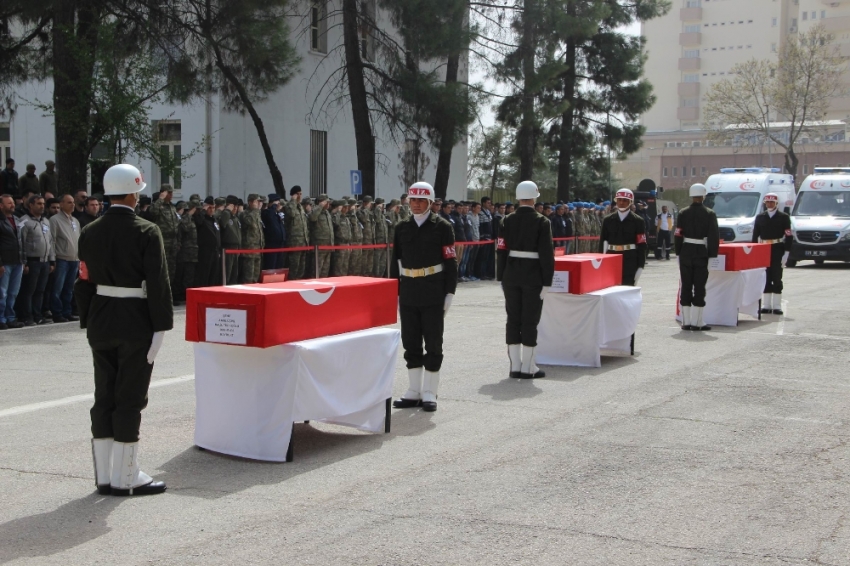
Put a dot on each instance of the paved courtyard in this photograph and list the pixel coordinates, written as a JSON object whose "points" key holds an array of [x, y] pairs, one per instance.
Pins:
{"points": [[720, 448]]}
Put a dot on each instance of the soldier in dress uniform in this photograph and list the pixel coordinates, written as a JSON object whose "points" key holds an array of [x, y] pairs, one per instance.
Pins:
{"points": [[367, 257], [124, 300], [274, 233], [381, 234], [696, 239], [424, 262], [297, 231], [252, 239], [356, 238], [773, 227], [231, 238], [342, 237], [525, 264], [322, 233], [208, 271], [624, 232]]}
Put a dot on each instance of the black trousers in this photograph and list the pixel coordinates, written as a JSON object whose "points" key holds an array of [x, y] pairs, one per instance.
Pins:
{"points": [[694, 273], [630, 266], [32, 291], [122, 376], [231, 264], [663, 249], [418, 325], [274, 260], [524, 306], [207, 270], [774, 272]]}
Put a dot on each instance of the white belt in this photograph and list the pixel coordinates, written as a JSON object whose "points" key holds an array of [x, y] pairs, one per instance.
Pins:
{"points": [[524, 255], [123, 292], [779, 241], [623, 248], [422, 272], [703, 242]]}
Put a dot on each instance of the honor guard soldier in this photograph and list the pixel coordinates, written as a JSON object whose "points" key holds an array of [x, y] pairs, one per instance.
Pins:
{"points": [[425, 264], [624, 232], [697, 240], [124, 300], [773, 227], [525, 266]]}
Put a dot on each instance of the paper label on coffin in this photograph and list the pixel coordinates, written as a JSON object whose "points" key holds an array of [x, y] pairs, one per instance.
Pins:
{"points": [[281, 313], [560, 282], [717, 263], [227, 326]]}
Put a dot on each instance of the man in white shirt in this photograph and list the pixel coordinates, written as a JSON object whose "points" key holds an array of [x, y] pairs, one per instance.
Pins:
{"points": [[664, 225]]}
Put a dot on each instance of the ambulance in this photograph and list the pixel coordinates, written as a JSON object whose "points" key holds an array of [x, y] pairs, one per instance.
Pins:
{"points": [[820, 221], [736, 196]]}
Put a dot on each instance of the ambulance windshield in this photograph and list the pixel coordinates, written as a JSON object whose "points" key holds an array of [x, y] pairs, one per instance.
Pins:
{"points": [[733, 205], [822, 203]]}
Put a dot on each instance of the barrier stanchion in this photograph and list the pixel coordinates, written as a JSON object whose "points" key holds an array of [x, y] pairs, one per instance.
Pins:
{"points": [[316, 259], [224, 268], [389, 261]]}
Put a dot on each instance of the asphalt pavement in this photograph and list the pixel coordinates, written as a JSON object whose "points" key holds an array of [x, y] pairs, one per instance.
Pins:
{"points": [[719, 448]]}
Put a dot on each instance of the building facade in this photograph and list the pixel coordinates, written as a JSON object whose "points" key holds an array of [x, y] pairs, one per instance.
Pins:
{"points": [[313, 149]]}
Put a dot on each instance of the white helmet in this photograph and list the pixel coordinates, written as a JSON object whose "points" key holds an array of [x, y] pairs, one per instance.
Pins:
{"points": [[527, 190], [697, 190], [421, 190], [122, 179], [625, 193]]}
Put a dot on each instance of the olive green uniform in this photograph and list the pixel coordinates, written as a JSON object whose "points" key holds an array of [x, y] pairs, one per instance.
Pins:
{"points": [[356, 240], [322, 234], [164, 215], [342, 237], [379, 265], [187, 256], [367, 260], [252, 239], [231, 239], [298, 235]]}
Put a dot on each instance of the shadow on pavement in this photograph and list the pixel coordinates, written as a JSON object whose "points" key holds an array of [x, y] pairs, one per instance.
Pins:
{"points": [[74, 523], [609, 363], [211, 475], [511, 389], [412, 422], [694, 336]]}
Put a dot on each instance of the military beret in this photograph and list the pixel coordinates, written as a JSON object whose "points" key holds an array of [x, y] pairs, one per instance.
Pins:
{"points": [[239, 202], [295, 189], [231, 199], [220, 201], [393, 202], [321, 198], [274, 197], [253, 196], [166, 187], [379, 200], [209, 200], [336, 203], [352, 202]]}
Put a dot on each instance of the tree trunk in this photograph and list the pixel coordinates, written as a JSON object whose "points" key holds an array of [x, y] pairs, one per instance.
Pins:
{"points": [[74, 34], [526, 133], [277, 178], [447, 135], [493, 179], [363, 135], [791, 162], [565, 142]]}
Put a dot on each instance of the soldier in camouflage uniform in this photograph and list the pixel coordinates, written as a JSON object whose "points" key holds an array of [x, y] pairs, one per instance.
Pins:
{"points": [[187, 257], [231, 237], [322, 233], [164, 214], [342, 237], [394, 217], [379, 265], [297, 231], [252, 239], [356, 238], [367, 257], [403, 209]]}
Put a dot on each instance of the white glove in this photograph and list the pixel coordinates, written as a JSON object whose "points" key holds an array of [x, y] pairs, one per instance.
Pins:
{"points": [[638, 273], [785, 258], [447, 304], [543, 292], [605, 247], [156, 344]]}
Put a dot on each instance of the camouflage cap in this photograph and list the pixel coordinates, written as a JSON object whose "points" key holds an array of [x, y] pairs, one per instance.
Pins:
{"points": [[180, 204], [195, 197], [379, 200], [253, 197], [393, 203], [262, 198], [367, 198], [192, 204], [166, 187], [337, 203], [321, 198], [307, 201], [352, 202], [220, 201]]}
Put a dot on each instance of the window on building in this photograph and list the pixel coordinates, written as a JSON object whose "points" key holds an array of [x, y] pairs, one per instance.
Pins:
{"points": [[822, 14], [691, 53], [675, 171], [774, 22], [693, 3], [689, 102], [702, 171], [773, 48], [693, 171], [794, 23], [805, 169], [319, 26], [664, 172], [169, 135], [814, 15], [691, 78], [5, 143], [805, 16], [318, 162], [692, 29], [367, 25]]}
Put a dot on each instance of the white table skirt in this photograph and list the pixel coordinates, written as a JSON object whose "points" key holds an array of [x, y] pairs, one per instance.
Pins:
{"points": [[248, 398], [728, 293], [574, 329]]}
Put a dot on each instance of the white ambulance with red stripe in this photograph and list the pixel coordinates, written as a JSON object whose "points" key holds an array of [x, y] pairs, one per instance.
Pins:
{"points": [[820, 220], [736, 195]]}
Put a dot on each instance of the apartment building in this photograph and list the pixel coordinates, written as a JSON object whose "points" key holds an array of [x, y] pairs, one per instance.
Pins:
{"points": [[695, 45]]}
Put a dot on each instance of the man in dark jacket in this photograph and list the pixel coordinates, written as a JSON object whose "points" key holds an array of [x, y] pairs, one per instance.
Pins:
{"points": [[696, 239], [208, 270], [11, 262], [9, 180], [274, 229], [125, 306], [525, 264]]}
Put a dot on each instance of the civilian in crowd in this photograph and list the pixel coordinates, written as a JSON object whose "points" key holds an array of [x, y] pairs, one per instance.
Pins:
{"points": [[483, 260], [47, 181], [29, 181], [538, 207], [53, 206], [509, 208], [80, 196], [89, 213], [437, 206], [547, 211], [473, 232], [23, 208], [559, 227], [9, 180], [66, 232], [208, 270], [37, 240], [11, 263]]}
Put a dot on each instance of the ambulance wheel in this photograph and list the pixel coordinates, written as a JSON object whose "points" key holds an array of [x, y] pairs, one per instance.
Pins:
{"points": [[791, 263], [818, 262]]}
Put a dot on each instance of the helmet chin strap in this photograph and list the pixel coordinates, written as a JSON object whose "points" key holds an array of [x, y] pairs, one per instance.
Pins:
{"points": [[624, 209]]}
